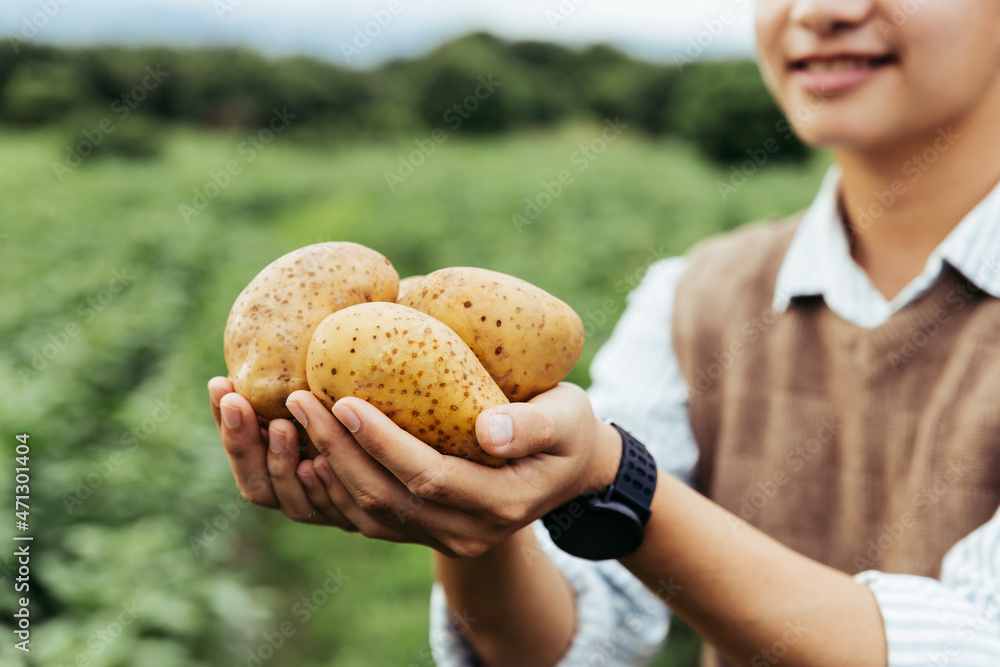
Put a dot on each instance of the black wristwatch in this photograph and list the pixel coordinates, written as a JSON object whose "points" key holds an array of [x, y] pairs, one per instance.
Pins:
{"points": [[609, 524]]}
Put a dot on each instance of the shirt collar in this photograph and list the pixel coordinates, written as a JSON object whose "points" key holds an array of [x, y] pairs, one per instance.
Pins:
{"points": [[973, 247], [819, 262], [815, 259]]}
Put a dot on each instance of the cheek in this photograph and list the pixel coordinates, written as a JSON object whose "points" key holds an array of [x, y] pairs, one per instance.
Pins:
{"points": [[770, 20], [950, 62]]}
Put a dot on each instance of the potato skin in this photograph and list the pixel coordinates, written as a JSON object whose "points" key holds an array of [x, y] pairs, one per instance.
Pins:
{"points": [[414, 369], [527, 339], [406, 284], [272, 321]]}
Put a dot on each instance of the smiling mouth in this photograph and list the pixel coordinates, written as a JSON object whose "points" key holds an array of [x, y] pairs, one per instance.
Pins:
{"points": [[842, 63]]}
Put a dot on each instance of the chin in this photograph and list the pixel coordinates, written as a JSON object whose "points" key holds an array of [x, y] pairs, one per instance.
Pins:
{"points": [[838, 137], [841, 124], [847, 140]]}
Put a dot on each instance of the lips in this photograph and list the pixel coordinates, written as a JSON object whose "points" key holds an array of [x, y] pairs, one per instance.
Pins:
{"points": [[826, 75]]}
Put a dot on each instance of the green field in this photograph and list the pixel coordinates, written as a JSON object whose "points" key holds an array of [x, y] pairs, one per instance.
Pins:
{"points": [[111, 316]]}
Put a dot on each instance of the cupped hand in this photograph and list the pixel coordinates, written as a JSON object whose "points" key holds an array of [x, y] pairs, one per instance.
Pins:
{"points": [[265, 461], [375, 478], [392, 486]]}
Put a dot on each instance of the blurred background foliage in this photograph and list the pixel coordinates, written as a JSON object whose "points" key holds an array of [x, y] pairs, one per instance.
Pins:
{"points": [[723, 107], [114, 301]]}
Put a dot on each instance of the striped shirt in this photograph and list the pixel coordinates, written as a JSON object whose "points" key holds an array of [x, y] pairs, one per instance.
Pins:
{"points": [[954, 620]]}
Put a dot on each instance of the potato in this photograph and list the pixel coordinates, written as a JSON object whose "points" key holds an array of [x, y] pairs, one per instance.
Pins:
{"points": [[271, 323], [411, 367], [527, 339], [406, 284]]}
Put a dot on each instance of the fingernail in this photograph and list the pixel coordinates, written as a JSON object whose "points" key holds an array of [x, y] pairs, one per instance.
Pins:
{"points": [[324, 475], [298, 412], [347, 417], [231, 416], [307, 481], [277, 442], [501, 430]]}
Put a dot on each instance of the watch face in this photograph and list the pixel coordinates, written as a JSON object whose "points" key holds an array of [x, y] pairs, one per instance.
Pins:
{"points": [[599, 533]]}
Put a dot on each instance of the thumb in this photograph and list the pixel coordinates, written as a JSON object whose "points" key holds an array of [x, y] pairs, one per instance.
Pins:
{"points": [[549, 422], [515, 430]]}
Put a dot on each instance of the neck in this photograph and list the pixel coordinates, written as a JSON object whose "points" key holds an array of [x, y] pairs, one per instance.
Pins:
{"points": [[901, 202]]}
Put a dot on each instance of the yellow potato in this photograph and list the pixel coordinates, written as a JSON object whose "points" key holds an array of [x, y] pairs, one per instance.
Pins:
{"points": [[527, 339], [271, 323], [406, 284], [411, 367]]}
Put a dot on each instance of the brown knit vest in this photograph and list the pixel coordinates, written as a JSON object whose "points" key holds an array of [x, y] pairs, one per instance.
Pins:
{"points": [[862, 449]]}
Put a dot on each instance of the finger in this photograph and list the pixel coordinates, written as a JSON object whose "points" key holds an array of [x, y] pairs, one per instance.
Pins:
{"points": [[316, 481], [381, 507], [282, 461], [547, 423], [368, 484], [425, 472], [325, 432], [217, 388], [242, 441], [395, 530]]}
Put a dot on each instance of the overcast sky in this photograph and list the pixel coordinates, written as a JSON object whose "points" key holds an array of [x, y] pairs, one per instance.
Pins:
{"points": [[650, 28]]}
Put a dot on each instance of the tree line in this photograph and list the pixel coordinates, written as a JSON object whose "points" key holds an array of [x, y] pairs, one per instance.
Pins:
{"points": [[478, 84]]}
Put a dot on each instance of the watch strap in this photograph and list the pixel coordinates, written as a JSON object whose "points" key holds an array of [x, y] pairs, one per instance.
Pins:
{"points": [[609, 524], [636, 479]]}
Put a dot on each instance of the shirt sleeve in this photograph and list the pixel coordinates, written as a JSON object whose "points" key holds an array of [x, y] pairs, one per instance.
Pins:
{"points": [[636, 381], [953, 621]]}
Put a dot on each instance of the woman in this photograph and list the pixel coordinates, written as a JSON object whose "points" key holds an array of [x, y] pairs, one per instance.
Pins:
{"points": [[828, 383]]}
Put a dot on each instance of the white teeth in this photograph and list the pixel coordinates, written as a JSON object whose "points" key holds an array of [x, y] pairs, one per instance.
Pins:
{"points": [[839, 64]]}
